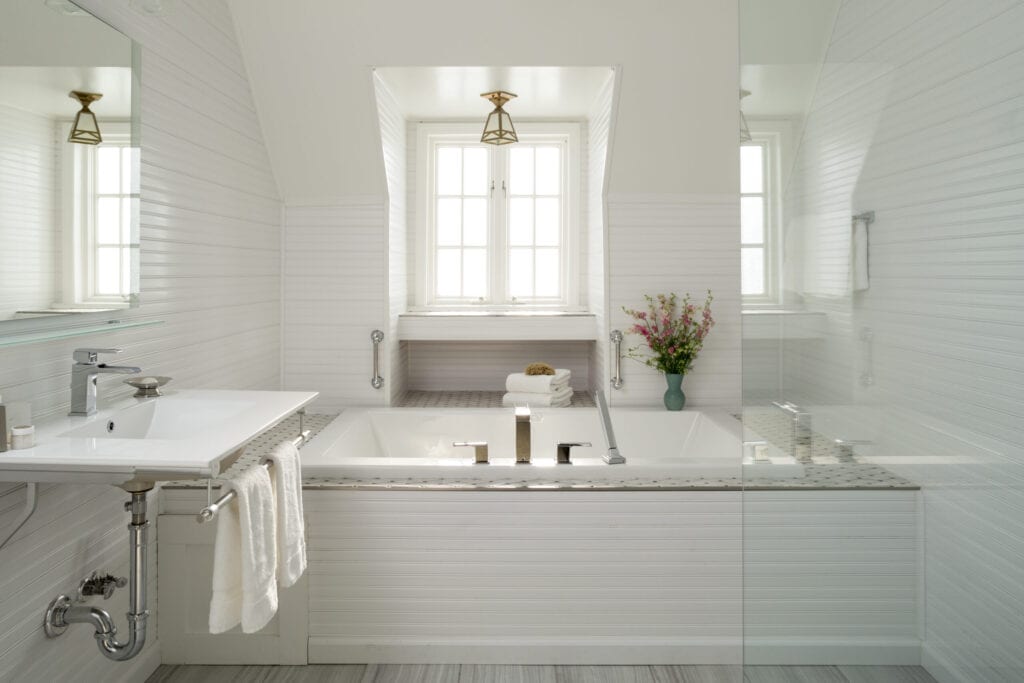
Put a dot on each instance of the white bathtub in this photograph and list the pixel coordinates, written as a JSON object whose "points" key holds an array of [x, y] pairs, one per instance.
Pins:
{"points": [[395, 443]]}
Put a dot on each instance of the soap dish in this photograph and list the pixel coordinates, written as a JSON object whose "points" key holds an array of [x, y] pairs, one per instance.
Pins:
{"points": [[147, 387]]}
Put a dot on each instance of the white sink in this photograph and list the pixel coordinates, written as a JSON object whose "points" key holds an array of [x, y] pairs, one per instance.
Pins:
{"points": [[182, 435]]}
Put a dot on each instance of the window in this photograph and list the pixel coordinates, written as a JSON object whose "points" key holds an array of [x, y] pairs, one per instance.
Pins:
{"points": [[99, 203], [497, 224], [758, 238]]}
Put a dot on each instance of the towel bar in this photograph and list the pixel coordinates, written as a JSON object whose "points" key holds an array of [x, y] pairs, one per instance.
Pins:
{"points": [[211, 510]]}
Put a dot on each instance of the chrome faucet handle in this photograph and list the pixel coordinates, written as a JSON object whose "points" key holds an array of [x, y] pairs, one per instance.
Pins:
{"points": [[563, 451], [479, 450], [88, 356]]}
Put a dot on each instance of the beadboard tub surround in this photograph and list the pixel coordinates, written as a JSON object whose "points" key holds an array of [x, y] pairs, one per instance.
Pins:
{"points": [[497, 326]]}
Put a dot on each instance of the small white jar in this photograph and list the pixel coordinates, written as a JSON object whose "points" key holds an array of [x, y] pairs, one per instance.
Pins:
{"points": [[23, 436]]}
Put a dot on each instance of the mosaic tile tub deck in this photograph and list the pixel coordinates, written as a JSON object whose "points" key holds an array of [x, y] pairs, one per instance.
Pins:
{"points": [[827, 469]]}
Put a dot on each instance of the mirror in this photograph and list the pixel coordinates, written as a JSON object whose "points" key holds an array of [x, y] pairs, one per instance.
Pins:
{"points": [[69, 212]]}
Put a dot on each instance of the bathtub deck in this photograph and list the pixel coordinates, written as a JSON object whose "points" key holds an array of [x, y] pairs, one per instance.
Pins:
{"points": [[467, 673]]}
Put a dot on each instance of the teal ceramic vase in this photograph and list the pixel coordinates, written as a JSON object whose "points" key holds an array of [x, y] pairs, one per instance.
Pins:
{"points": [[675, 399]]}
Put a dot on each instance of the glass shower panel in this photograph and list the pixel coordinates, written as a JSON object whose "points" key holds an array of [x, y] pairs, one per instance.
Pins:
{"points": [[887, 373]]}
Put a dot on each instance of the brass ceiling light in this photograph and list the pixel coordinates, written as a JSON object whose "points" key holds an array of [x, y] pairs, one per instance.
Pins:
{"points": [[498, 130], [85, 130]]}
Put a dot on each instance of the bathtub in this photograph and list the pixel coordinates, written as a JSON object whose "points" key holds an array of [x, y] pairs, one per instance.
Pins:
{"points": [[395, 443]]}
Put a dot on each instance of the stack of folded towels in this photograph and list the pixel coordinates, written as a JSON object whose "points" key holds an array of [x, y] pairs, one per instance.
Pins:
{"points": [[538, 390]]}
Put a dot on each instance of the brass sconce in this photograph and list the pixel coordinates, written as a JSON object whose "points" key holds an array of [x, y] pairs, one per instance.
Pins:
{"points": [[86, 130], [498, 130]]}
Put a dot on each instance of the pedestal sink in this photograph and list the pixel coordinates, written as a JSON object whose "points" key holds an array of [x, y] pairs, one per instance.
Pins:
{"points": [[137, 442]]}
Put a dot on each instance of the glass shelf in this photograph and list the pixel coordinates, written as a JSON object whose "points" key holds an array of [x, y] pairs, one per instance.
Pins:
{"points": [[69, 332]]}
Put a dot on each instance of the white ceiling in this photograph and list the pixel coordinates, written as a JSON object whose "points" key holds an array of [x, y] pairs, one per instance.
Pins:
{"points": [[452, 92], [44, 89]]}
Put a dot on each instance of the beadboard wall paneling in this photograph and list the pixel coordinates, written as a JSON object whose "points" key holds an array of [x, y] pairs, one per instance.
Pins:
{"points": [[915, 118], [335, 295], [678, 243], [394, 145], [599, 141], [210, 231], [483, 366], [29, 217]]}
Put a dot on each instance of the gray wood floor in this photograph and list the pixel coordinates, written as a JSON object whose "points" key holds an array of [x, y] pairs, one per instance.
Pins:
{"points": [[473, 673]]}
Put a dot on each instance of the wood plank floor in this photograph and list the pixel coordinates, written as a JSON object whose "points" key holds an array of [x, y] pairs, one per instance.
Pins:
{"points": [[474, 673]]}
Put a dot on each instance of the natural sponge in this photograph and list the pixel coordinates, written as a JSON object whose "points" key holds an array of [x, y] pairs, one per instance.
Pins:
{"points": [[539, 369]]}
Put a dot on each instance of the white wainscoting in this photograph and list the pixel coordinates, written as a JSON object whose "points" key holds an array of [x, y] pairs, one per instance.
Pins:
{"points": [[335, 295], [678, 243], [914, 119], [211, 270]]}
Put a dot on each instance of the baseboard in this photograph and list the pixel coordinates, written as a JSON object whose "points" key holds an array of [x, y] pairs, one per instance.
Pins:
{"points": [[327, 650], [143, 666], [938, 666], [835, 651]]}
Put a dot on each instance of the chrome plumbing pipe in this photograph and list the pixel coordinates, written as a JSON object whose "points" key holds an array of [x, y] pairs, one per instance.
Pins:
{"points": [[62, 613]]}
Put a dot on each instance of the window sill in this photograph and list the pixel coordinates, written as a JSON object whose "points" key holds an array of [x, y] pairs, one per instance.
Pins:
{"points": [[497, 326], [783, 324]]}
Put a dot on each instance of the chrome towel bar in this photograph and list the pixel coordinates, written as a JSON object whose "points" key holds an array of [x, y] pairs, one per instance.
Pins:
{"points": [[211, 510], [616, 338], [376, 337]]}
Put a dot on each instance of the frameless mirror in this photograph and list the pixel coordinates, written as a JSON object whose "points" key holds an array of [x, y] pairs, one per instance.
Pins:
{"points": [[69, 211]]}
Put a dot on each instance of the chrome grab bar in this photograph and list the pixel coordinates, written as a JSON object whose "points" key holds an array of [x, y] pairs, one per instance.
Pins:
{"points": [[211, 510], [616, 338], [376, 337]]}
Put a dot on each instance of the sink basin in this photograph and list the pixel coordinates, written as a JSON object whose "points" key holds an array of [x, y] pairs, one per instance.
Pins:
{"points": [[181, 435], [162, 420]]}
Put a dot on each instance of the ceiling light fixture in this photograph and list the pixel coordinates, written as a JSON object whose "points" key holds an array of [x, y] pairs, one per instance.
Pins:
{"points": [[498, 130], [86, 130], [745, 135]]}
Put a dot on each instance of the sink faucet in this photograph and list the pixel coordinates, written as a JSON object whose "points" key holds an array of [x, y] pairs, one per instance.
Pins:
{"points": [[522, 435], [84, 373]]}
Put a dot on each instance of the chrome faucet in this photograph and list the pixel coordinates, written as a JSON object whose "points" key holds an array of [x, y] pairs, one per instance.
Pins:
{"points": [[522, 435], [84, 373], [801, 421]]}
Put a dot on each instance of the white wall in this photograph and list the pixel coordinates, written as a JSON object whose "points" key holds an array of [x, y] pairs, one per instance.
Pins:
{"points": [[210, 252], [917, 117], [28, 211]]}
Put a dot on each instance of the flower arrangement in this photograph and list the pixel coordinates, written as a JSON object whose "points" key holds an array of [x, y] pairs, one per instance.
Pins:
{"points": [[673, 331]]}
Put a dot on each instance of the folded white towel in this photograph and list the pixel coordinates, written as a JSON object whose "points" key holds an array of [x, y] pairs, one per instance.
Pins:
{"points": [[560, 399], [245, 556], [538, 384], [859, 280], [286, 475]]}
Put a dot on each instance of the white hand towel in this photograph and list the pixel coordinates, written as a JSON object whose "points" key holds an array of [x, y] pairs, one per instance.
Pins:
{"points": [[245, 556], [558, 400], [859, 280], [538, 384], [286, 475]]}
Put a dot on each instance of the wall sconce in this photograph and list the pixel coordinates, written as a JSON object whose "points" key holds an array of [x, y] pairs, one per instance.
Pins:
{"points": [[85, 130], [745, 135], [498, 129]]}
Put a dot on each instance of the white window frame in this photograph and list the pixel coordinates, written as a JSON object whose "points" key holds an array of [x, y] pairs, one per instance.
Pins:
{"points": [[432, 135], [770, 142], [79, 212]]}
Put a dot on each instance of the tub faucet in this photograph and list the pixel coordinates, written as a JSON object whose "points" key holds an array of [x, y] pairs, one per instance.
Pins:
{"points": [[801, 420], [522, 435], [84, 373]]}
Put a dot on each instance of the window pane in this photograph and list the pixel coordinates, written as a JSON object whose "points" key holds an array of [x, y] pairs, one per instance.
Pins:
{"points": [[474, 171], [474, 222], [126, 271], [126, 171], [449, 170], [449, 272], [548, 232], [548, 272], [521, 170], [449, 222], [520, 272], [108, 270], [126, 221], [752, 269], [549, 170], [108, 170], [108, 220], [474, 272], [520, 222], [751, 168], [752, 220]]}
